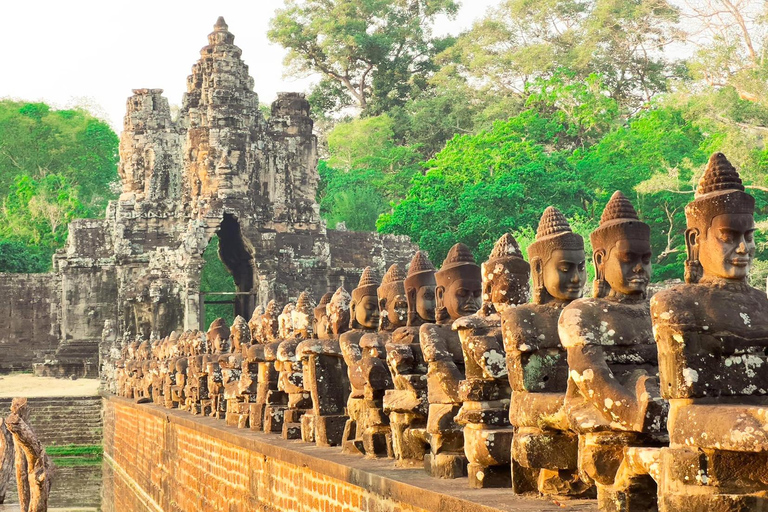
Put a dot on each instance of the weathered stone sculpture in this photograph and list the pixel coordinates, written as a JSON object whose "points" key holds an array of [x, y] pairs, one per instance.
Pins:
{"points": [[196, 354], [393, 313], [291, 380], [544, 453], [712, 336], [238, 408], [407, 404], [6, 459], [458, 294], [613, 399], [320, 330], [266, 382], [218, 336], [325, 374], [364, 318], [485, 392]]}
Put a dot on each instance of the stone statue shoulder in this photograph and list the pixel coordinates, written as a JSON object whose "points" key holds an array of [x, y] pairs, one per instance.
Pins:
{"points": [[736, 310], [593, 321], [349, 342], [530, 327], [437, 343], [405, 335]]}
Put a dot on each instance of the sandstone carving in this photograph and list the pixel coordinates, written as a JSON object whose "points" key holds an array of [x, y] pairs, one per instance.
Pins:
{"points": [[407, 403], [613, 399], [485, 392], [712, 336], [544, 452], [458, 293]]}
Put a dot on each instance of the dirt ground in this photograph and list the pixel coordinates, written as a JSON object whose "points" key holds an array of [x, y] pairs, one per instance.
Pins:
{"points": [[27, 385]]}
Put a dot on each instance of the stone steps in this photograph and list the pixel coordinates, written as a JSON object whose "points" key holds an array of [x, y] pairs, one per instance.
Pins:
{"points": [[64, 420]]}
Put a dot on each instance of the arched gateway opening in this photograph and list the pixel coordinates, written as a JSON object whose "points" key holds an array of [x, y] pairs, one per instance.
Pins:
{"points": [[227, 278]]}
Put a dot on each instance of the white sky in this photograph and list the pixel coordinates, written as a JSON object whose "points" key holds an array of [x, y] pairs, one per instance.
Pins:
{"points": [[93, 52]]}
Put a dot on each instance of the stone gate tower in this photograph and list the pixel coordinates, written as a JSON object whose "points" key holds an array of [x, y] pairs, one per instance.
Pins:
{"points": [[221, 169]]}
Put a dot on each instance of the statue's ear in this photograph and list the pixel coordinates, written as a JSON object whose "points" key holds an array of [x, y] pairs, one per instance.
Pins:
{"points": [[382, 304], [439, 294], [411, 296], [598, 257], [692, 240]]}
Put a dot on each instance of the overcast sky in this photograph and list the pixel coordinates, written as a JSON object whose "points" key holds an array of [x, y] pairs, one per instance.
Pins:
{"points": [[93, 52]]}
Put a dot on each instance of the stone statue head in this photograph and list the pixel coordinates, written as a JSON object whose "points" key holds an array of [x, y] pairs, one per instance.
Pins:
{"points": [[254, 324], [505, 276], [721, 225], [269, 323], [459, 285], [240, 334], [218, 336], [393, 306], [622, 250], [420, 290], [302, 317], [320, 325], [364, 308], [557, 260], [285, 322], [338, 311]]}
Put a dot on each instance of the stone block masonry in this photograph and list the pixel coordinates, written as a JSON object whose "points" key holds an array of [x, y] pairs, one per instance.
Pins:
{"points": [[166, 460]]}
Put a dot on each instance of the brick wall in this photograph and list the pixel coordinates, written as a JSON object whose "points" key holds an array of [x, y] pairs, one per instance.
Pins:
{"points": [[159, 460]]}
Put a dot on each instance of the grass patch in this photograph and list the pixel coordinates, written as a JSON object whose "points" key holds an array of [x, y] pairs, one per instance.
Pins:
{"points": [[74, 450], [65, 462]]}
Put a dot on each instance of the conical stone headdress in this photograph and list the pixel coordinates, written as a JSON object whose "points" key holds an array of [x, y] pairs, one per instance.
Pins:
{"points": [[720, 191], [393, 282], [505, 256], [301, 316], [421, 272], [619, 221], [324, 300], [554, 233], [366, 286], [457, 264]]}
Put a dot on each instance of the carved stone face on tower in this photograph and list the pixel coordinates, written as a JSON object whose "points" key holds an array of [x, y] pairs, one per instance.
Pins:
{"points": [[622, 249], [505, 276], [459, 285], [557, 260], [338, 311], [420, 290], [320, 324], [393, 307], [364, 308], [720, 235]]}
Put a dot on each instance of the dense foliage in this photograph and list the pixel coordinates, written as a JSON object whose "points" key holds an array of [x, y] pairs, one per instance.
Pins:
{"points": [[555, 102], [55, 165]]}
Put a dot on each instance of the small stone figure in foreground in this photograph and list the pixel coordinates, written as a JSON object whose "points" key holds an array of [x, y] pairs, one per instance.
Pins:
{"points": [[34, 469]]}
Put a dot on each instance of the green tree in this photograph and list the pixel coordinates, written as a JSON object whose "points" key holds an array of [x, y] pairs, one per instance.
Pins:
{"points": [[377, 50], [55, 165]]}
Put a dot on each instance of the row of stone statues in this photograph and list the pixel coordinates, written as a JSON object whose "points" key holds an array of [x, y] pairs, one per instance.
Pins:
{"points": [[660, 403]]}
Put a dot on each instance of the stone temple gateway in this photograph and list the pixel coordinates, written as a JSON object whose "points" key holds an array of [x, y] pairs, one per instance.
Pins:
{"points": [[221, 168]]}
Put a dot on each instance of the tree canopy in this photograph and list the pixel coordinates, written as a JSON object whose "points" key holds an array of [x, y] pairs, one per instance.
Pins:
{"points": [[55, 165]]}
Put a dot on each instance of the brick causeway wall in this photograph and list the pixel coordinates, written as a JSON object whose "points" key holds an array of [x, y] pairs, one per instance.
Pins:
{"points": [[159, 460]]}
